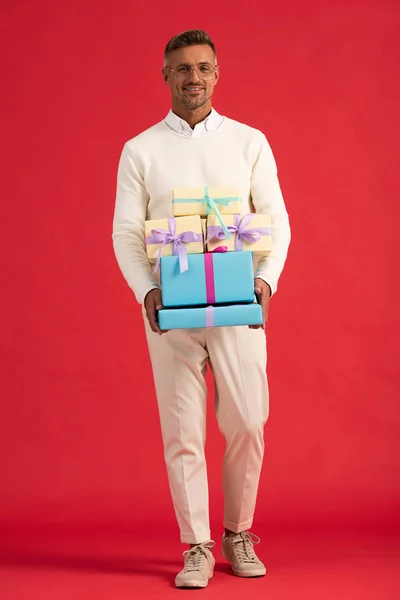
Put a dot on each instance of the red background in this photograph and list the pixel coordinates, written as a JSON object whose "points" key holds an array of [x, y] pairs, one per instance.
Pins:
{"points": [[79, 434]]}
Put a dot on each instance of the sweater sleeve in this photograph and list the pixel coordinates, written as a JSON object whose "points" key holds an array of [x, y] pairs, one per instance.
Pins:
{"points": [[267, 198], [128, 227]]}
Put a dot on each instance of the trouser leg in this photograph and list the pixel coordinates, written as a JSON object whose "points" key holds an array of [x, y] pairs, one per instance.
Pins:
{"points": [[238, 359], [179, 361]]}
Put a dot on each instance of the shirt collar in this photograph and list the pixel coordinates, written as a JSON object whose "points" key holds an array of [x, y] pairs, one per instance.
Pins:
{"points": [[210, 123]]}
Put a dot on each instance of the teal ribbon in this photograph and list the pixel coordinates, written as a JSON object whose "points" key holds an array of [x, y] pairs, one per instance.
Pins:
{"points": [[211, 205]]}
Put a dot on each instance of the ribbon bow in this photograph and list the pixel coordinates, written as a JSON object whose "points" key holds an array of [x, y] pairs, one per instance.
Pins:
{"points": [[164, 237], [211, 205], [250, 235]]}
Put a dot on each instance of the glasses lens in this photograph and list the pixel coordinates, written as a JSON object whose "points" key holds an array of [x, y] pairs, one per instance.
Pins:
{"points": [[205, 71]]}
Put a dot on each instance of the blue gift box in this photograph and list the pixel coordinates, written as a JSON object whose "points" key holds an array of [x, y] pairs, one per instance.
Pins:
{"points": [[210, 316], [211, 278]]}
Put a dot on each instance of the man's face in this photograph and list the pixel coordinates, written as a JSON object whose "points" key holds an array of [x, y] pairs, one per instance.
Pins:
{"points": [[191, 87]]}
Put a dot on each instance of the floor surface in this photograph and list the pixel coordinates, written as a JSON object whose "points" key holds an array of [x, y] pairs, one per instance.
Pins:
{"points": [[318, 566]]}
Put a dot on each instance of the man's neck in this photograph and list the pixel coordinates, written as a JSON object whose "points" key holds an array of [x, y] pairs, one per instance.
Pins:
{"points": [[193, 117]]}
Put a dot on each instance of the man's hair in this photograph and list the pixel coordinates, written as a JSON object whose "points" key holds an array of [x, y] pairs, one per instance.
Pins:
{"points": [[192, 37]]}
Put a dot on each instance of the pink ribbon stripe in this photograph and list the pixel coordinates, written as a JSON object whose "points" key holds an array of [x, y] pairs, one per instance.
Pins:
{"points": [[209, 271]]}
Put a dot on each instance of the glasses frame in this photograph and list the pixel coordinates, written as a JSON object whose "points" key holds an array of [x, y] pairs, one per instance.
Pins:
{"points": [[192, 68]]}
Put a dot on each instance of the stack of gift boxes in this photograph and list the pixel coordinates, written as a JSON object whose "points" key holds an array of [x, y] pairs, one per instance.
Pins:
{"points": [[205, 253]]}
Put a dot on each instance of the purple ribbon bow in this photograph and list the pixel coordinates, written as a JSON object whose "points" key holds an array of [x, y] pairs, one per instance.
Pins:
{"points": [[163, 237], [250, 235]]}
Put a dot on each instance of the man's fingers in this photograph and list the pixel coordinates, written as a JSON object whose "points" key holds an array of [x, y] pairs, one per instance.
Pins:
{"points": [[260, 300], [153, 303], [153, 323], [158, 306], [263, 299], [152, 317], [158, 299], [265, 306]]}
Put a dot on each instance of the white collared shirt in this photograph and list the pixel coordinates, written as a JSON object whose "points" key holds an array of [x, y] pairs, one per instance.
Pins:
{"points": [[210, 123]]}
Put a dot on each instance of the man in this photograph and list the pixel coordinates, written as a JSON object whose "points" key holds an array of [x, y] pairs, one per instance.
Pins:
{"points": [[195, 146]]}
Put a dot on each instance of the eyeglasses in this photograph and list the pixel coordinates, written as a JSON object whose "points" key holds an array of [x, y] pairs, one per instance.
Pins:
{"points": [[204, 71]]}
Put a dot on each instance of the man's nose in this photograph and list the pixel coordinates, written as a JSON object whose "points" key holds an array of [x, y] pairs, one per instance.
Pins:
{"points": [[194, 76]]}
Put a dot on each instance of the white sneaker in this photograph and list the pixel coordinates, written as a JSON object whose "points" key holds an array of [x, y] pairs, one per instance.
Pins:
{"points": [[239, 550], [198, 566]]}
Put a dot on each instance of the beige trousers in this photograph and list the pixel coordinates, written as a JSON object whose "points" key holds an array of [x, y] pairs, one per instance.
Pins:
{"points": [[237, 357]]}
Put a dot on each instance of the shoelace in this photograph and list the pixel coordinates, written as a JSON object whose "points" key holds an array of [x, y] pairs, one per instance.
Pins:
{"points": [[195, 557], [244, 546]]}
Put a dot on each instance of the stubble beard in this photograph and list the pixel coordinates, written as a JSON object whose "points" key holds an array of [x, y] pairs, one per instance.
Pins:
{"points": [[191, 104]]}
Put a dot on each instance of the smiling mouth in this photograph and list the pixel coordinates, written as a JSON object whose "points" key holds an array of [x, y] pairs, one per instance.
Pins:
{"points": [[192, 88]]}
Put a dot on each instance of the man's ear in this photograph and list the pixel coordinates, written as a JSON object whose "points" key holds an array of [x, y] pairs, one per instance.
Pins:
{"points": [[165, 75]]}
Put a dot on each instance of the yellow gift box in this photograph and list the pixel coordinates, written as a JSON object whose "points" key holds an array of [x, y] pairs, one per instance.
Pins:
{"points": [[176, 236], [204, 230], [206, 200], [248, 232]]}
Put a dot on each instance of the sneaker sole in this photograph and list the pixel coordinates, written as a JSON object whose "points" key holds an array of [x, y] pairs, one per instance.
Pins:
{"points": [[258, 573], [251, 573], [194, 583]]}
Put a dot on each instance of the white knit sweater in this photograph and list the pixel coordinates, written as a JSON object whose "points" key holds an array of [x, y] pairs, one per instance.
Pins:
{"points": [[159, 159]]}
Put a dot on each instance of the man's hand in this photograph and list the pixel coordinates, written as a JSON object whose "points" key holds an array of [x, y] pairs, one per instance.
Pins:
{"points": [[263, 293], [152, 304]]}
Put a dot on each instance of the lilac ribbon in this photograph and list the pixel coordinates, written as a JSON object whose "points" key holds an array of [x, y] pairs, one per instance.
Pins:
{"points": [[250, 235], [210, 316], [164, 237]]}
